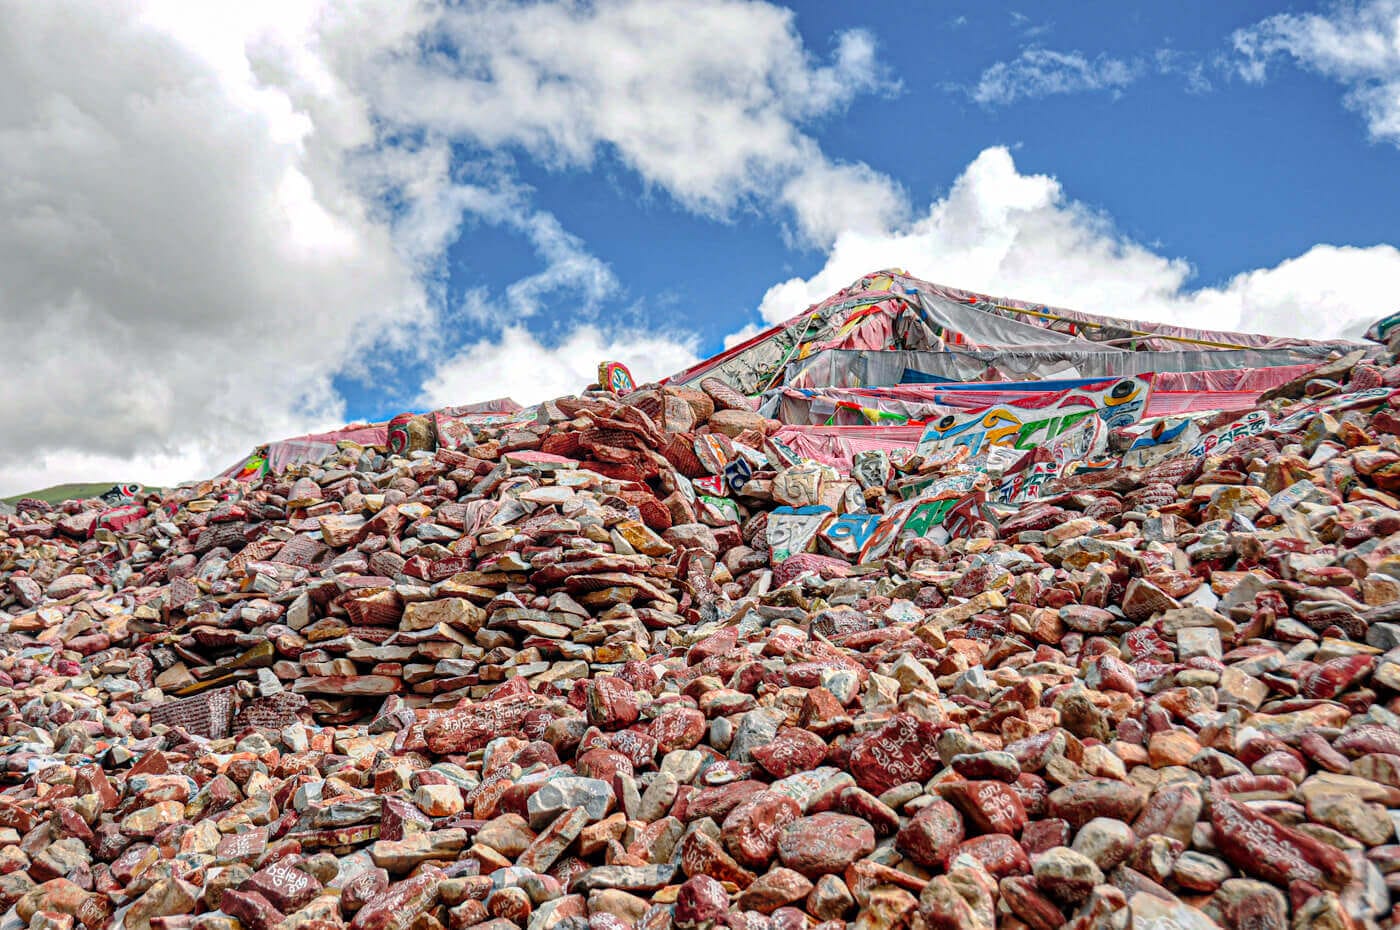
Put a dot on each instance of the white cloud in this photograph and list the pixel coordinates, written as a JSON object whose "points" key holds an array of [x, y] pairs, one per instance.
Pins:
{"points": [[1042, 72], [1005, 233], [703, 100], [184, 262], [207, 214], [1028, 28], [1357, 45], [746, 333], [1191, 68], [843, 198], [518, 364], [569, 267], [1039, 72]]}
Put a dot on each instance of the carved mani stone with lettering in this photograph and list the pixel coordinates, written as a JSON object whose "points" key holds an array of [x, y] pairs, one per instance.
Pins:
{"points": [[209, 714]]}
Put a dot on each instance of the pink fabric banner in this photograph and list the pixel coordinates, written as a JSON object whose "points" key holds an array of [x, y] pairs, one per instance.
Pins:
{"points": [[834, 445]]}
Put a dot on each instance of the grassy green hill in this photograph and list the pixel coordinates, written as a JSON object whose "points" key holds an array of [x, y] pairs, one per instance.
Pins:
{"points": [[64, 492]]}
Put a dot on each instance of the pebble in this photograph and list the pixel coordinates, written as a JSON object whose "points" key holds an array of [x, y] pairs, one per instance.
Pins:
{"points": [[561, 673]]}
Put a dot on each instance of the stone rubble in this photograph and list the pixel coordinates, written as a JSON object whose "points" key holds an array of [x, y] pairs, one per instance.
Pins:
{"points": [[601, 671]]}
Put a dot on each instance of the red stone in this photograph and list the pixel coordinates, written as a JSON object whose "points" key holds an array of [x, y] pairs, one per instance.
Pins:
{"points": [[901, 751], [999, 853], [752, 828], [400, 906], [792, 751], [472, 727], [362, 889], [612, 704], [989, 806], [1082, 801], [861, 803], [1334, 676], [1263, 847], [931, 835], [1368, 738], [824, 843], [285, 887], [1020, 894], [715, 803], [251, 909], [1172, 810], [678, 728], [823, 714], [703, 855], [700, 901]]}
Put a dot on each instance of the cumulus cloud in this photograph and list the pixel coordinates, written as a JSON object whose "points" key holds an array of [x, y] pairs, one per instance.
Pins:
{"points": [[1019, 235], [519, 364], [184, 261], [207, 216], [705, 101], [1357, 45]]}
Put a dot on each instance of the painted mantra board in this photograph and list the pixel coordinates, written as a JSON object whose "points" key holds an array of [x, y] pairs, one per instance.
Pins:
{"points": [[726, 508], [737, 474], [1160, 441], [848, 533], [1074, 446], [1079, 442], [1217, 440], [1028, 483], [918, 517], [799, 486], [712, 485], [923, 515], [871, 468], [791, 530], [1162, 432], [614, 377], [863, 537], [939, 487], [1022, 426]]}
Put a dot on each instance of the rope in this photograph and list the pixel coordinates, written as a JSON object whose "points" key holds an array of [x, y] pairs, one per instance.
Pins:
{"points": [[797, 344]]}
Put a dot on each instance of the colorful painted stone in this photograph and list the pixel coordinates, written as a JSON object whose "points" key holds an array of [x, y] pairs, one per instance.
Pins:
{"points": [[614, 378]]}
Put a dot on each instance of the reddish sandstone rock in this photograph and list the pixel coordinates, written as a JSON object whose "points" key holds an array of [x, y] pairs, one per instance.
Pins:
{"points": [[932, 834], [1265, 848], [999, 854], [793, 751], [989, 806], [1080, 802], [903, 750], [473, 727], [752, 828], [612, 705], [824, 843], [701, 854], [700, 901]]}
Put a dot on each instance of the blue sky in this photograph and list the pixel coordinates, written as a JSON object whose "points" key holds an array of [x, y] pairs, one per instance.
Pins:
{"points": [[249, 222], [1186, 157]]}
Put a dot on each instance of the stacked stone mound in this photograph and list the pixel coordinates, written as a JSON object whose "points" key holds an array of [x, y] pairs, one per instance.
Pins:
{"points": [[541, 683]]}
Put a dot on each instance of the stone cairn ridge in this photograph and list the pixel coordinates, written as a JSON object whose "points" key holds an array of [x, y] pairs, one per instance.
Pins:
{"points": [[540, 683]]}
